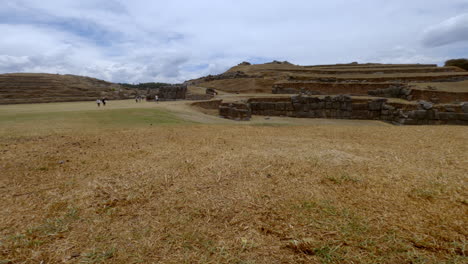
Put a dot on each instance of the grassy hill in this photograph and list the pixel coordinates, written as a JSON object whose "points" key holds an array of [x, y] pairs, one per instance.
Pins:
{"points": [[44, 88]]}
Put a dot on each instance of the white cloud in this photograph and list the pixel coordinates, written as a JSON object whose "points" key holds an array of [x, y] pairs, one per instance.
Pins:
{"points": [[450, 31], [171, 41]]}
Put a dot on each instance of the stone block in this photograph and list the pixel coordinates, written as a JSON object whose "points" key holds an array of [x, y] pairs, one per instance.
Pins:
{"points": [[409, 121], [430, 114], [336, 105], [375, 105], [223, 111], [279, 107], [463, 116], [420, 114], [319, 113], [374, 114], [328, 105], [464, 107], [360, 106], [360, 114]]}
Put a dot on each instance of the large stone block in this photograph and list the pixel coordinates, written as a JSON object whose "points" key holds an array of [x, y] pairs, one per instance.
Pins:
{"points": [[296, 106], [464, 107], [430, 114], [279, 107], [463, 116], [223, 111], [346, 114], [420, 114], [360, 114], [375, 105], [360, 106]]}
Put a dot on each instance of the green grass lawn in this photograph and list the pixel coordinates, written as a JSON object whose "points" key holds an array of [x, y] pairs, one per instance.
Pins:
{"points": [[14, 123], [113, 117]]}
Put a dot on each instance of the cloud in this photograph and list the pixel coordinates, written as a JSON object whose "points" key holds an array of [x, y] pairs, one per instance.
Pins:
{"points": [[172, 41], [450, 31]]}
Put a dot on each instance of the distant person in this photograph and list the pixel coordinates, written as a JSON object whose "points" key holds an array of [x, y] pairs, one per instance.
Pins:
{"points": [[137, 98], [104, 101], [98, 102], [156, 98]]}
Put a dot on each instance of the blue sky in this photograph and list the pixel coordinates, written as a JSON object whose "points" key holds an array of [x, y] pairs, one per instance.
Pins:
{"points": [[172, 41]]}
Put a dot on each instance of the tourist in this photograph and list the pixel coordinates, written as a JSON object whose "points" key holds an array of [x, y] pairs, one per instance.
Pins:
{"points": [[98, 102], [104, 101], [156, 98], [137, 98]]}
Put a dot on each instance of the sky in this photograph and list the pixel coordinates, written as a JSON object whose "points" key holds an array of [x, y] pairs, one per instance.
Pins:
{"points": [[172, 41]]}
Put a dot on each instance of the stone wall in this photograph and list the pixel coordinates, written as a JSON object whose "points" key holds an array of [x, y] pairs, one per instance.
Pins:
{"points": [[346, 107], [331, 88], [168, 93], [236, 111], [212, 104], [394, 91], [439, 96], [449, 77]]}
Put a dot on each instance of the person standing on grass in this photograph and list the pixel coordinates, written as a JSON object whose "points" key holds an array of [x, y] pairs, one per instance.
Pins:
{"points": [[156, 98], [98, 102], [136, 99], [104, 101]]}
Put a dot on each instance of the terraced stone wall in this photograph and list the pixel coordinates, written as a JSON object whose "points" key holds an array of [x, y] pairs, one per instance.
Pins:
{"points": [[345, 107], [331, 88]]}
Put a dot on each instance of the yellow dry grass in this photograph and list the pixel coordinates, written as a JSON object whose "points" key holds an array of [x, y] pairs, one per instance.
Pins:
{"points": [[241, 85], [453, 87], [194, 193]]}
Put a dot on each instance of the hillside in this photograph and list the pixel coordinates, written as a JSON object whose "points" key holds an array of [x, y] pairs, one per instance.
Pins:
{"points": [[43, 88], [420, 81]]}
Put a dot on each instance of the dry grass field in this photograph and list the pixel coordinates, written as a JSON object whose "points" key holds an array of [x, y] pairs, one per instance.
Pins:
{"points": [[148, 184], [453, 87]]}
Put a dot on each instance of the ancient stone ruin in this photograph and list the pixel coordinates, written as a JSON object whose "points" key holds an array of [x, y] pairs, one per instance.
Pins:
{"points": [[235, 111], [168, 93], [347, 107]]}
